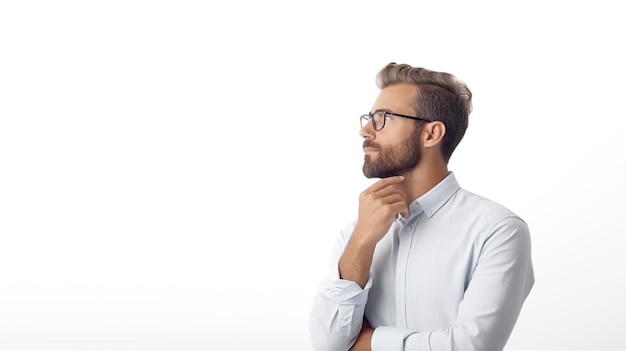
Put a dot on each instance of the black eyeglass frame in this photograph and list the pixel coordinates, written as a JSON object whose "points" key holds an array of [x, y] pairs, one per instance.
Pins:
{"points": [[370, 117]]}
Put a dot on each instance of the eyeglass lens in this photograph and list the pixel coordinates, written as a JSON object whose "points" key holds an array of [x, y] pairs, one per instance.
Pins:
{"points": [[377, 119]]}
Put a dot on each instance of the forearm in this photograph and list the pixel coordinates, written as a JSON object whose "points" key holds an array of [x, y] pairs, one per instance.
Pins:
{"points": [[356, 260], [387, 338], [466, 337], [337, 315], [338, 309], [401, 339]]}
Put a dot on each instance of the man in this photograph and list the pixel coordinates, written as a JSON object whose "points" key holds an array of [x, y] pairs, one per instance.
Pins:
{"points": [[427, 265]]}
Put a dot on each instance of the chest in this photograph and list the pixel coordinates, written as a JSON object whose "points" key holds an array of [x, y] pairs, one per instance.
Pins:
{"points": [[420, 273]]}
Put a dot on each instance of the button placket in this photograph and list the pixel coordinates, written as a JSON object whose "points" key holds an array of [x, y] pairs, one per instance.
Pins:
{"points": [[402, 260]]}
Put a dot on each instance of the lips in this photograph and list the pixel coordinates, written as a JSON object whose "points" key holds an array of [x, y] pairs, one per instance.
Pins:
{"points": [[370, 146]]}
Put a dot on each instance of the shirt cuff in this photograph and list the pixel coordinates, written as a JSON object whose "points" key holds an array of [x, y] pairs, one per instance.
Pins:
{"points": [[345, 292], [389, 338]]}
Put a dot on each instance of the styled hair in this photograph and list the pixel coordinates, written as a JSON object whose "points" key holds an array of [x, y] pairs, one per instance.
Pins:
{"points": [[440, 97]]}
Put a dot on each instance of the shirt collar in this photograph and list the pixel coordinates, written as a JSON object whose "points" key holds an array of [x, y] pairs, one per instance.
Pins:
{"points": [[436, 197]]}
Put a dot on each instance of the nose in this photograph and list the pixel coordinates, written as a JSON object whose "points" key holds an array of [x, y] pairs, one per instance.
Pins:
{"points": [[367, 132]]}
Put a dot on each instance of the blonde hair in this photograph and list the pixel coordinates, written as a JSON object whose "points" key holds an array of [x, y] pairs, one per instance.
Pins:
{"points": [[441, 97]]}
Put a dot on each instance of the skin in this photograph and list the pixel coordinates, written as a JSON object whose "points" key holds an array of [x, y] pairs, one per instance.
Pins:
{"points": [[380, 203]]}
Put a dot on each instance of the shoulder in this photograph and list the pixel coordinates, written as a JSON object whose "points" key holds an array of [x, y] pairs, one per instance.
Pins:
{"points": [[492, 228], [485, 213], [482, 206]]}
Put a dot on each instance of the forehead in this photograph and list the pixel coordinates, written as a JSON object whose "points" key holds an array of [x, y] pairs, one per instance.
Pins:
{"points": [[398, 98]]}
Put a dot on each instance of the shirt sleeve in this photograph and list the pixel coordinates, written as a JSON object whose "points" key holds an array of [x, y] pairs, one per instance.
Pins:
{"points": [[500, 283], [338, 308]]}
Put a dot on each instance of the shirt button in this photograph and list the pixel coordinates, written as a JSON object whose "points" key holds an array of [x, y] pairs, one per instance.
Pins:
{"points": [[408, 229]]}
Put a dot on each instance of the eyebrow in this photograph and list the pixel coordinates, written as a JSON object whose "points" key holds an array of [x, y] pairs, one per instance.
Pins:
{"points": [[382, 110]]}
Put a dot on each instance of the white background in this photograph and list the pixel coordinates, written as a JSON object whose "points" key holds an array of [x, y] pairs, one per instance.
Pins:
{"points": [[174, 173]]}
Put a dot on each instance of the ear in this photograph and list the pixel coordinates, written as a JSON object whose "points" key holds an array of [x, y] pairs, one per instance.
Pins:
{"points": [[433, 133]]}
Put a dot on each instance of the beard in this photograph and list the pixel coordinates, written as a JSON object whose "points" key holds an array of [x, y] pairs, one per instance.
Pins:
{"points": [[392, 160]]}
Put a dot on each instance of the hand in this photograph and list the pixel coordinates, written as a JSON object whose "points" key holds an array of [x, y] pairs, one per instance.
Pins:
{"points": [[378, 207]]}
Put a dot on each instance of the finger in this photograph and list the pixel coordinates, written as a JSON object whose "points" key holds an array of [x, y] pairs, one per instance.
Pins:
{"points": [[393, 198], [385, 182], [380, 195], [392, 208], [388, 190], [400, 207]]}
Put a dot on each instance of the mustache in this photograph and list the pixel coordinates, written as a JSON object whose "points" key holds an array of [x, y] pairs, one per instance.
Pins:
{"points": [[369, 143]]}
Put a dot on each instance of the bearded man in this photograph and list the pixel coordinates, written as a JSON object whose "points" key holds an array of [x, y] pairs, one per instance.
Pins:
{"points": [[427, 265]]}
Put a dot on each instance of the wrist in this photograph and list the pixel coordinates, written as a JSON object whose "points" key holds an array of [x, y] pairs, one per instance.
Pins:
{"points": [[363, 239]]}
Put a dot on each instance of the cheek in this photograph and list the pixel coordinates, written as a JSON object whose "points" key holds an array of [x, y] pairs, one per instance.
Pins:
{"points": [[406, 137], [406, 130]]}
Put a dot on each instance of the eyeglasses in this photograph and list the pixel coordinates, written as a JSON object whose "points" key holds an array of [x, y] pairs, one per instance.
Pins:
{"points": [[378, 119]]}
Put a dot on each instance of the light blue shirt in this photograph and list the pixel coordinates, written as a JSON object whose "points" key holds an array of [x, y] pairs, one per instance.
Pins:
{"points": [[451, 276]]}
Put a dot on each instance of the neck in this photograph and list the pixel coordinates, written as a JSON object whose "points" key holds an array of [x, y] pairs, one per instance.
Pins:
{"points": [[425, 176]]}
